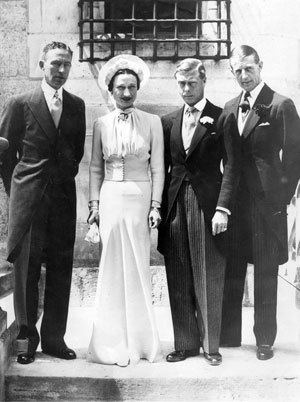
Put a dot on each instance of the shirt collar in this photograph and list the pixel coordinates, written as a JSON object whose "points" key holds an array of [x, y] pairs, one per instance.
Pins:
{"points": [[254, 93], [49, 91], [199, 105]]}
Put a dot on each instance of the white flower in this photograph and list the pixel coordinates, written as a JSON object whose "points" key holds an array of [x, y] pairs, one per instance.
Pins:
{"points": [[206, 120]]}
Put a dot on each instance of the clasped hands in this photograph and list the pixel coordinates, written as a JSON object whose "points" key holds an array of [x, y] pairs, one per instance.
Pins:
{"points": [[219, 222]]}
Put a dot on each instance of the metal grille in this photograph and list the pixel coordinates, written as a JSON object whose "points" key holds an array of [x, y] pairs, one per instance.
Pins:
{"points": [[154, 29]]}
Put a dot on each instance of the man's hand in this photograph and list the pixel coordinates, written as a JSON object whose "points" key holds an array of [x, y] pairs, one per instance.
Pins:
{"points": [[93, 217], [154, 218], [219, 222]]}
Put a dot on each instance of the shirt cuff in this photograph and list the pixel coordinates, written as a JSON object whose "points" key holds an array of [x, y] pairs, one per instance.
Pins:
{"points": [[155, 204], [223, 209]]}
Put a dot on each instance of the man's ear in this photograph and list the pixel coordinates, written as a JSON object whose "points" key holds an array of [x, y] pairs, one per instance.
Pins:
{"points": [[261, 65], [41, 64]]}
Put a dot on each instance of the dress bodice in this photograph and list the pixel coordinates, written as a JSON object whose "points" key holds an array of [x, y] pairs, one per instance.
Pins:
{"points": [[132, 149], [130, 167]]}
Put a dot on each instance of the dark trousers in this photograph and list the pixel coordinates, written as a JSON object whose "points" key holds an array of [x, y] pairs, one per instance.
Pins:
{"points": [[195, 273], [251, 239], [49, 240]]}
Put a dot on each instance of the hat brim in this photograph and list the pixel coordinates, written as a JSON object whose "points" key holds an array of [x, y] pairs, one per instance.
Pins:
{"points": [[123, 61]]}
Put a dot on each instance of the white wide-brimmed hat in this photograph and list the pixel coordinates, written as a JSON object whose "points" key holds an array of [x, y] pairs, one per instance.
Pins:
{"points": [[121, 62]]}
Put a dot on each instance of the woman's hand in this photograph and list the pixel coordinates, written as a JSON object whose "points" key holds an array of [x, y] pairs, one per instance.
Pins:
{"points": [[154, 218], [94, 212], [93, 217]]}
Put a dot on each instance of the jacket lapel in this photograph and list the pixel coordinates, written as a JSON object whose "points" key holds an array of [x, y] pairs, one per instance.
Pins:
{"points": [[68, 106], [39, 108], [176, 136], [235, 106], [200, 128], [253, 117]]}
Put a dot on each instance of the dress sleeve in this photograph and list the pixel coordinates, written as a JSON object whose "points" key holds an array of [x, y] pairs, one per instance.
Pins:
{"points": [[96, 164], [157, 159]]}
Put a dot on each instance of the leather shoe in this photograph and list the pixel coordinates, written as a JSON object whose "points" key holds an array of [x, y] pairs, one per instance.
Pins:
{"points": [[26, 358], [62, 353], [179, 355], [264, 352], [214, 359]]}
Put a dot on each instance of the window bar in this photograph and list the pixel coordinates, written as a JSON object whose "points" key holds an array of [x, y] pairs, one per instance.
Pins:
{"points": [[228, 27], [198, 26], [91, 4], [80, 30], [112, 29], [176, 29], [154, 31], [219, 31], [133, 42]]}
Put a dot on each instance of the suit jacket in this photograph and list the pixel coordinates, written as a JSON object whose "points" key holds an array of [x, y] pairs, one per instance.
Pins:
{"points": [[39, 153], [270, 144], [210, 144]]}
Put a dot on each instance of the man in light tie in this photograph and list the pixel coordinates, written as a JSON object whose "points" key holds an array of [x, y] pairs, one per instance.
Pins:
{"points": [[45, 129], [197, 201], [269, 128]]}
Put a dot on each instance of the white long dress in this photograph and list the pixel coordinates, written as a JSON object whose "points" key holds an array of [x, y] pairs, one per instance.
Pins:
{"points": [[124, 328]]}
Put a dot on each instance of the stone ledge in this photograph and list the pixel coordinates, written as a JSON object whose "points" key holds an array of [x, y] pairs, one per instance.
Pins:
{"points": [[84, 283]]}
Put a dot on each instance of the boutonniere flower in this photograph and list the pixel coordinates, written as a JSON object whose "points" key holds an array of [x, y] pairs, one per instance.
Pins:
{"points": [[263, 111], [206, 121]]}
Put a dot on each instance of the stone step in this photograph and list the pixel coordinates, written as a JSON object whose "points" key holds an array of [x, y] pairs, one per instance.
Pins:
{"points": [[241, 376]]}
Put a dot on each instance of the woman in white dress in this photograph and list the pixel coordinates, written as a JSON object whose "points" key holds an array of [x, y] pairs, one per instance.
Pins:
{"points": [[126, 183]]}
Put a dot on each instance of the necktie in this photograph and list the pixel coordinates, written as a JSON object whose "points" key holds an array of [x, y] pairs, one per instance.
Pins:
{"points": [[245, 105], [190, 125], [56, 108]]}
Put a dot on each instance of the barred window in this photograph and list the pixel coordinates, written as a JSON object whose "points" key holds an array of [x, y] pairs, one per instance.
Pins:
{"points": [[154, 29]]}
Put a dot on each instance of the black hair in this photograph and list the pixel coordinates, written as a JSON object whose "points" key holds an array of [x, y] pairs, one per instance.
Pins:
{"points": [[55, 45], [124, 71], [245, 51]]}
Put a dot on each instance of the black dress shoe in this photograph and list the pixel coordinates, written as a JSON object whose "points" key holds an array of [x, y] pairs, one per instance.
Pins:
{"points": [[62, 353], [26, 358], [179, 355], [214, 359], [264, 352]]}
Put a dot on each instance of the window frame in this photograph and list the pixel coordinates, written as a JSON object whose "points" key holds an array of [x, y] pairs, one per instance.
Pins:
{"points": [[114, 38]]}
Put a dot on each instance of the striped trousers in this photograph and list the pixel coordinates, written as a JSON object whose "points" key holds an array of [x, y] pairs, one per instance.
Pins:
{"points": [[250, 239], [195, 273]]}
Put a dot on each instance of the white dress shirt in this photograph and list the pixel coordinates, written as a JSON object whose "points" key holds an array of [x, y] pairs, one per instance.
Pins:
{"points": [[49, 93], [252, 98]]}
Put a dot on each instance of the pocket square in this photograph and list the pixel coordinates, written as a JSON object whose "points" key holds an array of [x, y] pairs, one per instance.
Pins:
{"points": [[264, 124], [213, 133]]}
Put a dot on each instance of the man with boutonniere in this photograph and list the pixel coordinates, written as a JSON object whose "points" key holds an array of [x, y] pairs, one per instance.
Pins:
{"points": [[197, 201], [269, 128]]}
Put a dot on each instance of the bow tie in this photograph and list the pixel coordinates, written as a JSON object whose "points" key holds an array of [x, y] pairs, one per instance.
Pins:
{"points": [[245, 105], [123, 116]]}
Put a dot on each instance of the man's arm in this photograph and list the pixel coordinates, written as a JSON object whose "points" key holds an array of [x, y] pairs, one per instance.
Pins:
{"points": [[290, 126], [230, 142], [81, 132], [11, 129]]}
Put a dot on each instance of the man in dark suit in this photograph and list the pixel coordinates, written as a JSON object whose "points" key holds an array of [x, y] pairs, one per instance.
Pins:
{"points": [[45, 129], [269, 129], [197, 200]]}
